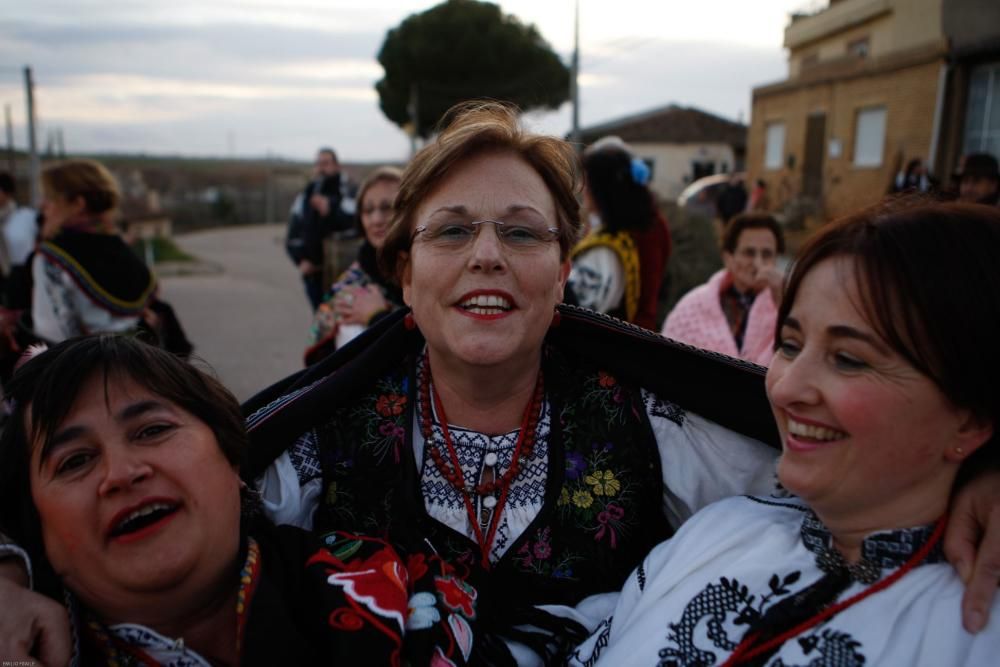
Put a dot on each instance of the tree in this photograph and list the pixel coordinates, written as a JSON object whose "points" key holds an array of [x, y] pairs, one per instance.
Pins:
{"points": [[461, 50]]}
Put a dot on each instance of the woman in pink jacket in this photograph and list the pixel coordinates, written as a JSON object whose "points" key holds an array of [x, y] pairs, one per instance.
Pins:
{"points": [[734, 312]]}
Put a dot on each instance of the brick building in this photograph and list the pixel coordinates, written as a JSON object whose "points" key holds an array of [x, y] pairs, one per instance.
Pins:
{"points": [[872, 84]]}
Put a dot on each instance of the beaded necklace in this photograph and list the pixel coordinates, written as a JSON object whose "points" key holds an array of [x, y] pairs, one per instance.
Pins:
{"points": [[452, 471], [749, 648]]}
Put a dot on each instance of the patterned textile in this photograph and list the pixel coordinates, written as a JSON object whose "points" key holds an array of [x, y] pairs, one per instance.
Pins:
{"points": [[347, 599], [694, 596], [601, 482], [624, 247], [698, 320]]}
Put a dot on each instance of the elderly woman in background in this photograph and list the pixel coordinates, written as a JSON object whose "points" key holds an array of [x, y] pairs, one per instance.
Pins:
{"points": [[734, 312], [85, 278], [362, 293], [119, 476], [619, 265], [884, 388]]}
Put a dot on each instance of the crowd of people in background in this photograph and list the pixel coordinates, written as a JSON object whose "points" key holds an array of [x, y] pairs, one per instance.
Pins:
{"points": [[490, 457]]}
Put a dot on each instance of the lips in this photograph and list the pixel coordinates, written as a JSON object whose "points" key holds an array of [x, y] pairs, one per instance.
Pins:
{"points": [[804, 435], [486, 303], [142, 519]]}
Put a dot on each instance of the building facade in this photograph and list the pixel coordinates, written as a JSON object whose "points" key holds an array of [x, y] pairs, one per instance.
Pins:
{"points": [[872, 85]]}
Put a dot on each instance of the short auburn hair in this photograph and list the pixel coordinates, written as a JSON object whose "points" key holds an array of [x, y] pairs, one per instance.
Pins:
{"points": [[476, 128]]}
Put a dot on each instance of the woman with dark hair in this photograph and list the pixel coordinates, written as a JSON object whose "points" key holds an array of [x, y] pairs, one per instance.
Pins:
{"points": [[618, 266], [85, 278], [361, 294], [884, 389], [119, 475]]}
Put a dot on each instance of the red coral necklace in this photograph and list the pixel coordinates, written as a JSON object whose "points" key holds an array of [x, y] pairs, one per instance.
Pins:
{"points": [[452, 471]]}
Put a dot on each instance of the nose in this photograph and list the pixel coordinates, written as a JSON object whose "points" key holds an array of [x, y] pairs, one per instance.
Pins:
{"points": [[124, 467], [790, 382], [487, 253]]}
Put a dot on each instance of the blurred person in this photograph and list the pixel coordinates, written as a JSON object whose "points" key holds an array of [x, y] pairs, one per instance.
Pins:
{"points": [[734, 312], [979, 179], [884, 390], [18, 229], [322, 208], [361, 294], [914, 178], [618, 267], [732, 200], [119, 475], [759, 201], [84, 278]]}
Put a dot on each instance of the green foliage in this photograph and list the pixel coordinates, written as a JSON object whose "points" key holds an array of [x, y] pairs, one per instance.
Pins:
{"points": [[461, 50]]}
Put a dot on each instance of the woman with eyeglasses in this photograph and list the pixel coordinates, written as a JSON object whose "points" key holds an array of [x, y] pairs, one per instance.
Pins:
{"points": [[361, 294], [735, 311], [618, 267]]}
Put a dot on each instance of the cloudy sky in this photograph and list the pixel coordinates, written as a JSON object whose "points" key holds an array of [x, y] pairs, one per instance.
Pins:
{"points": [[256, 77]]}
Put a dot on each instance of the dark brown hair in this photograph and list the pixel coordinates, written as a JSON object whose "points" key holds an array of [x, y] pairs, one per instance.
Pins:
{"points": [[744, 221], [475, 128], [929, 285], [45, 389], [384, 174]]}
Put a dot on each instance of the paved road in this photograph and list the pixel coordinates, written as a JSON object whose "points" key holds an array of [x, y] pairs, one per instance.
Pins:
{"points": [[249, 321]]}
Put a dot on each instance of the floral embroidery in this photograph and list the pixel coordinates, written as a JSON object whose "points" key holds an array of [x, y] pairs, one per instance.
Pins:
{"points": [[575, 465], [583, 499], [331, 493], [603, 483], [606, 380], [609, 522], [456, 595], [422, 612], [563, 498], [390, 405]]}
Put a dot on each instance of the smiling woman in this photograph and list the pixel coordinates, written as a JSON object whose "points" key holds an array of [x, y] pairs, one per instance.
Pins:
{"points": [[119, 474]]}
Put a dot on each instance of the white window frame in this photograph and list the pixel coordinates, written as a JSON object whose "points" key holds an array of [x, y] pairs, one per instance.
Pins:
{"points": [[869, 132], [774, 145]]}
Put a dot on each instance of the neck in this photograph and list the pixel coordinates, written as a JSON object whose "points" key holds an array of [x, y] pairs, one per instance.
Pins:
{"points": [[849, 529], [487, 399], [208, 626]]}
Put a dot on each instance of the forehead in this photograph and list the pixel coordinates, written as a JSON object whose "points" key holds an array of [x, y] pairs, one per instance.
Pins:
{"points": [[489, 183], [830, 291], [757, 237], [382, 188]]}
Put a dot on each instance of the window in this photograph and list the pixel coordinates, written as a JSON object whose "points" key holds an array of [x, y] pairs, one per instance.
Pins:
{"points": [[774, 148], [982, 115], [859, 47], [869, 137]]}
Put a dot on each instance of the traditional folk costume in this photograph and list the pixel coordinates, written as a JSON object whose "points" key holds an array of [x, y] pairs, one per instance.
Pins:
{"points": [[699, 319], [620, 273], [343, 600], [87, 282], [327, 333], [750, 569], [561, 508]]}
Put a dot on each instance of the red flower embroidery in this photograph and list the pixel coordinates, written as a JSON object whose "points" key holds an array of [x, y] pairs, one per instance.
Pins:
{"points": [[606, 380], [457, 595], [416, 565], [390, 405]]}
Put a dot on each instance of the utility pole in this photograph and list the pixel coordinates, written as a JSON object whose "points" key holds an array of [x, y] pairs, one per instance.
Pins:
{"points": [[34, 168], [574, 73], [10, 139]]}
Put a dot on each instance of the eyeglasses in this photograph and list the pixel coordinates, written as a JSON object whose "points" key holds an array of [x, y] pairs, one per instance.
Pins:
{"points": [[751, 254], [521, 236]]}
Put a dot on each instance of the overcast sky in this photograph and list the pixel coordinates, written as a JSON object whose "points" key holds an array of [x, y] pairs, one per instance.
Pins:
{"points": [[252, 77]]}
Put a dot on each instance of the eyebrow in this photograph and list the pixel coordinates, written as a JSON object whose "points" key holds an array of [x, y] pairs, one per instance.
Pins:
{"points": [[462, 210], [70, 433], [844, 331]]}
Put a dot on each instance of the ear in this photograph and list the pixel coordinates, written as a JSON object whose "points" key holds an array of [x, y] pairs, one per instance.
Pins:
{"points": [[728, 261], [972, 434], [564, 276], [78, 205], [404, 271]]}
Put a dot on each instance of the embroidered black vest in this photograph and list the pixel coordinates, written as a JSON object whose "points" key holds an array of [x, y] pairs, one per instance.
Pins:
{"points": [[603, 499]]}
